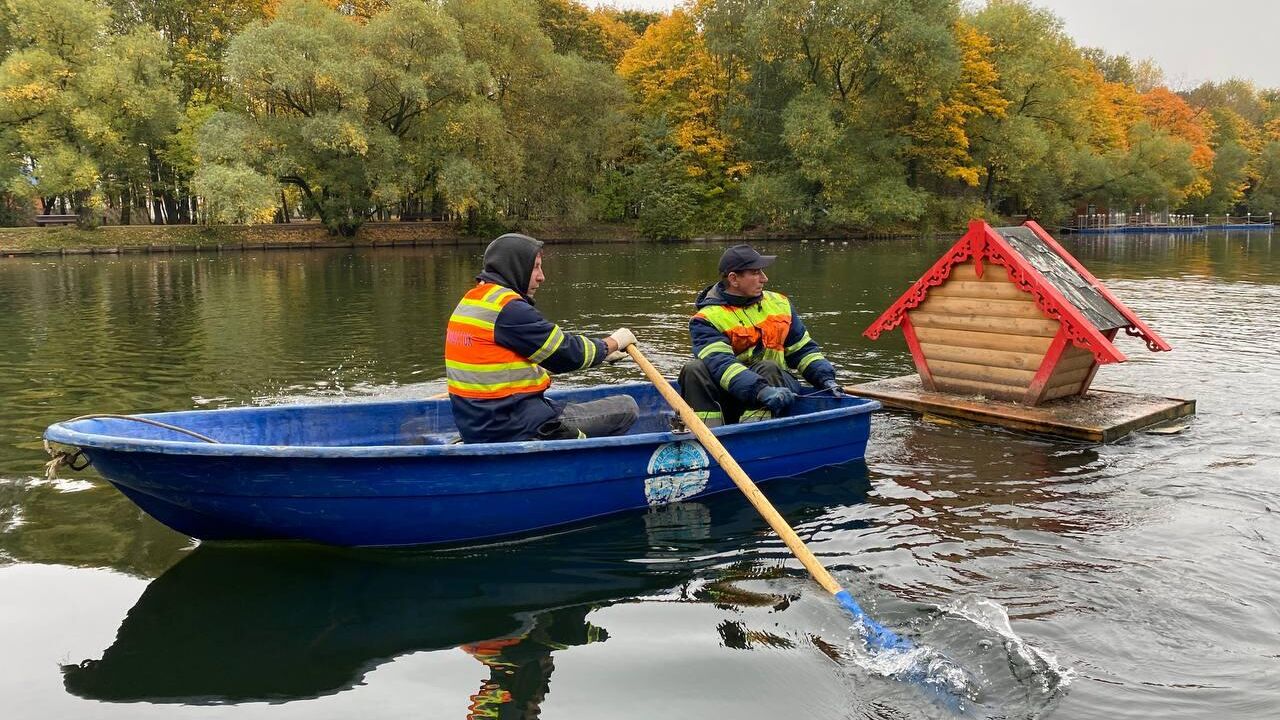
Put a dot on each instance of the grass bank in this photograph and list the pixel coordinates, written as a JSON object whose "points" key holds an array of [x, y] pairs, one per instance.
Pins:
{"points": [[170, 238], [185, 238]]}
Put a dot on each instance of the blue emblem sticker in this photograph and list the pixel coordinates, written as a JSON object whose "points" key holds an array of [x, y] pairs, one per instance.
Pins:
{"points": [[677, 470]]}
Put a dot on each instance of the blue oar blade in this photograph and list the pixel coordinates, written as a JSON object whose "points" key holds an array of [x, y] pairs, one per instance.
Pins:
{"points": [[877, 635], [923, 666]]}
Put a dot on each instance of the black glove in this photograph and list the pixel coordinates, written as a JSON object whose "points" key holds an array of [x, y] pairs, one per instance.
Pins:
{"points": [[833, 387], [777, 399]]}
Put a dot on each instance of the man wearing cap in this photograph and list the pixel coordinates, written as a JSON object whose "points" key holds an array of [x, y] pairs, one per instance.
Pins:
{"points": [[745, 339], [500, 352]]}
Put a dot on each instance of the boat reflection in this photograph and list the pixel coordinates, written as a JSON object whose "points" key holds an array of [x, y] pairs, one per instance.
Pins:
{"points": [[277, 622]]}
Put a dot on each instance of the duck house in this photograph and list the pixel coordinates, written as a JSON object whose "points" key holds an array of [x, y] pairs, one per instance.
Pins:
{"points": [[1008, 314]]}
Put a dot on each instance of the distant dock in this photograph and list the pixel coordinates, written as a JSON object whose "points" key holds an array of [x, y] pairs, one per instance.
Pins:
{"points": [[1121, 223]]}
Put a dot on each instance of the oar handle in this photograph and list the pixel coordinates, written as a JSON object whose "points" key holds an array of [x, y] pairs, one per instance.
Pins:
{"points": [[736, 473]]}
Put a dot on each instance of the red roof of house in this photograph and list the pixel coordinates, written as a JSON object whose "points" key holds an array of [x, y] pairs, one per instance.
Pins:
{"points": [[1062, 288]]}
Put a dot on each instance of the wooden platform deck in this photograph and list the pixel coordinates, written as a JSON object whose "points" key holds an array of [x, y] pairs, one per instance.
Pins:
{"points": [[1101, 416]]}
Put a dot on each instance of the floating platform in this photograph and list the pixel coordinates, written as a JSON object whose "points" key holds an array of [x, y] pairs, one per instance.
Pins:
{"points": [[1123, 229], [1100, 416], [1242, 226]]}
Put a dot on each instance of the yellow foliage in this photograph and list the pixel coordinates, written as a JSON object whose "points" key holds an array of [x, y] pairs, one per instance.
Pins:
{"points": [[941, 139], [673, 76], [616, 36], [1271, 130], [34, 92]]}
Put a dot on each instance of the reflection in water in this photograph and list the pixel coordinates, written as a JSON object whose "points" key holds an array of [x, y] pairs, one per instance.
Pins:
{"points": [[237, 623], [241, 622], [520, 668], [1146, 566]]}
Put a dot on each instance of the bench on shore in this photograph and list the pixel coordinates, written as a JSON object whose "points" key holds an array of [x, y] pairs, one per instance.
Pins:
{"points": [[42, 220]]}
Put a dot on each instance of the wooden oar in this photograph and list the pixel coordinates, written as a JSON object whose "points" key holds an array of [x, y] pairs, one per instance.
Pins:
{"points": [[877, 634]]}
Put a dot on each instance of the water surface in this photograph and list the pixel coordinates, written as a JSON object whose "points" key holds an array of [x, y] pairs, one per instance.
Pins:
{"points": [[1131, 580]]}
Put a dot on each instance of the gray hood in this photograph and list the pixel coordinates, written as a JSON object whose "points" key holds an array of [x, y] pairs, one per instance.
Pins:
{"points": [[508, 261]]}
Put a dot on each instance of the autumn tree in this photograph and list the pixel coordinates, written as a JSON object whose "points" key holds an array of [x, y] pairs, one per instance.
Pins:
{"points": [[1029, 154], [594, 34], [546, 124], [1234, 142], [331, 104], [80, 106], [681, 91], [940, 137], [1169, 112]]}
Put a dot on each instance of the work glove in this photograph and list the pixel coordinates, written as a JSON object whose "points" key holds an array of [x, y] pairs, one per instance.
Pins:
{"points": [[615, 356], [833, 387], [624, 337], [777, 399]]}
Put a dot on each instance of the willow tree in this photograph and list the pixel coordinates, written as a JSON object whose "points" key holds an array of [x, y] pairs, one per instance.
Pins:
{"points": [[867, 71], [80, 106], [331, 106], [543, 126]]}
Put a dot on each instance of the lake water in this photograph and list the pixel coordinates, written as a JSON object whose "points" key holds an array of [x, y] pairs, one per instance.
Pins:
{"points": [[1132, 580]]}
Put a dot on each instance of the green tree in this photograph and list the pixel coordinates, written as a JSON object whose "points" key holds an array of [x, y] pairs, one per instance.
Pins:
{"points": [[1229, 175], [331, 103], [1152, 169], [547, 124], [868, 71], [81, 108], [1264, 197], [1030, 154]]}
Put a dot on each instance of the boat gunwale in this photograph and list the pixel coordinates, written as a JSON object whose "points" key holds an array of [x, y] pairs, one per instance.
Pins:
{"points": [[60, 433]]}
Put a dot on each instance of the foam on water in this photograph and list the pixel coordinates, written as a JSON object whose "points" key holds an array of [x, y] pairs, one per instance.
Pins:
{"points": [[1028, 663], [912, 663]]}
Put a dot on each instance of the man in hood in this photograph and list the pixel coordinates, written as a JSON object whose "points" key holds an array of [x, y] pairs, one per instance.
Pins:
{"points": [[500, 353], [745, 341]]}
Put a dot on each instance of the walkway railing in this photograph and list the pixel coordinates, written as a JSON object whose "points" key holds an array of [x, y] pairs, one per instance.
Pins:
{"points": [[1164, 220]]}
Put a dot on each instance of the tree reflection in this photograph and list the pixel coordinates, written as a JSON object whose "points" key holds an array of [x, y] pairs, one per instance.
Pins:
{"points": [[234, 623]]}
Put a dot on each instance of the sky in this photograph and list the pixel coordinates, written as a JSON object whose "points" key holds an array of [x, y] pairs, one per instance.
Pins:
{"points": [[1191, 40]]}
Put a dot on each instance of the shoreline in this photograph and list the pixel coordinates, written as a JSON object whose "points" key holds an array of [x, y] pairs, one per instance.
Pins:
{"points": [[123, 239]]}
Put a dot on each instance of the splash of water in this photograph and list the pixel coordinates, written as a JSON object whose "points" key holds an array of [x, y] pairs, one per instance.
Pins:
{"points": [[890, 655], [1028, 663]]}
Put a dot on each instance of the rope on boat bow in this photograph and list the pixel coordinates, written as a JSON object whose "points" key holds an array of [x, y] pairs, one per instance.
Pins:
{"points": [[63, 457], [77, 460]]}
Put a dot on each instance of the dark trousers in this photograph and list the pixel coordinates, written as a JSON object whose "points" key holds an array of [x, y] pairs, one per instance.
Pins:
{"points": [[716, 406], [612, 415]]}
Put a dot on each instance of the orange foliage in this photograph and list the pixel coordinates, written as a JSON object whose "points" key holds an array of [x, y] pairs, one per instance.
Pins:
{"points": [[1113, 110], [1169, 112]]}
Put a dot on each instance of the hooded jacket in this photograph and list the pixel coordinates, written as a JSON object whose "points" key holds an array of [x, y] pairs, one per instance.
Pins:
{"points": [[717, 349], [519, 327]]}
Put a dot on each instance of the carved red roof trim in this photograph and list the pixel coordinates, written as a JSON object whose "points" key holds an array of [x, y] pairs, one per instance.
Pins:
{"points": [[983, 243]]}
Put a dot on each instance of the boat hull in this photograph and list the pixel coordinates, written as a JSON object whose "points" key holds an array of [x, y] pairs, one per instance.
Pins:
{"points": [[410, 494]]}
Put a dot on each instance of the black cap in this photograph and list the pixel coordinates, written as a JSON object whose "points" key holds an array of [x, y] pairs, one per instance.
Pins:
{"points": [[743, 257]]}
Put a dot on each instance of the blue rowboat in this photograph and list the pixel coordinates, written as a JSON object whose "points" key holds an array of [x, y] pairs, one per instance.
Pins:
{"points": [[391, 473]]}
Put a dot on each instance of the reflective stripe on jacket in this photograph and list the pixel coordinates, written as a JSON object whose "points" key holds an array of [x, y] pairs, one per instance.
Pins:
{"points": [[500, 353], [475, 364], [729, 334]]}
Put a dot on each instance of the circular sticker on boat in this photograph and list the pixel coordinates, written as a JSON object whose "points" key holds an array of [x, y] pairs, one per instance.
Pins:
{"points": [[677, 470]]}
